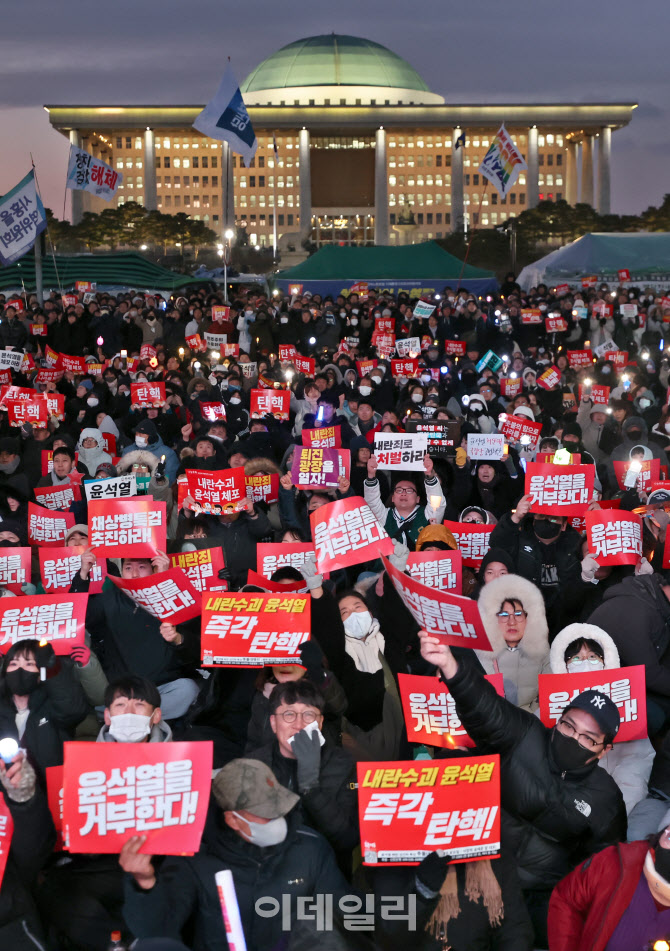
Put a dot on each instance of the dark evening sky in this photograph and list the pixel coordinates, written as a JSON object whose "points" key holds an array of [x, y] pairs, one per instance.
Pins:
{"points": [[169, 52]]}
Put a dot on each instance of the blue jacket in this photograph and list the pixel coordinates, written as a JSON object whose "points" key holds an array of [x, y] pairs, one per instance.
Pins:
{"points": [[159, 449]]}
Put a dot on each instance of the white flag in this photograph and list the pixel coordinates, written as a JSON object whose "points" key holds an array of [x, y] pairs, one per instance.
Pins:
{"points": [[226, 118], [22, 218], [502, 163], [91, 174]]}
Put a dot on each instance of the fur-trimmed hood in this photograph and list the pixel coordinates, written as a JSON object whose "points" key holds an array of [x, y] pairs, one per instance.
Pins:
{"points": [[573, 632], [187, 453], [336, 370], [259, 464], [535, 642], [137, 457]]}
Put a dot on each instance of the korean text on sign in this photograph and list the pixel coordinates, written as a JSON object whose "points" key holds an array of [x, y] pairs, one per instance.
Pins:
{"points": [[122, 487], [58, 566], [473, 540], [215, 492], [201, 568], [401, 450], [47, 528], [615, 538], [437, 569], [14, 568], [273, 555], [114, 790], [253, 630], [408, 809], [314, 467], [270, 403], [168, 595], [559, 490], [58, 619], [115, 525], [346, 533], [430, 710]]}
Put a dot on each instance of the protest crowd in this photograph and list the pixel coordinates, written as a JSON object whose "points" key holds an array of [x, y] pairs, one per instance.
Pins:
{"points": [[337, 623]]}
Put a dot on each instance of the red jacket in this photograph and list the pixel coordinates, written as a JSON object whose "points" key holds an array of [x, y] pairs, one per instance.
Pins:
{"points": [[587, 905]]}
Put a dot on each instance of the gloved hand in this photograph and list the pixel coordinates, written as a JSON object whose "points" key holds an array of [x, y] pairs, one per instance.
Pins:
{"points": [[432, 871], [311, 657], [45, 656], [461, 457], [400, 554], [307, 750], [80, 654], [309, 573], [589, 568], [160, 469], [660, 518], [224, 574], [28, 588], [644, 568]]}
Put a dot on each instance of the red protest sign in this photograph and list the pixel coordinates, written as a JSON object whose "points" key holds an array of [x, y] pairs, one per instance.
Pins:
{"points": [[287, 352], [455, 348], [123, 527], [347, 533], [615, 538], [650, 472], [6, 377], [168, 595], [453, 619], [590, 281], [44, 376], [580, 358], [384, 325], [509, 387], [437, 569], [54, 776], [56, 618], [408, 809], [6, 832], [618, 357], [52, 358], [549, 379], [230, 350], [281, 587], [624, 274], [15, 568], [9, 394], [575, 457], [430, 711], [599, 395], [625, 686], [220, 313], [326, 437], [58, 498], [55, 405], [473, 539], [46, 528], [365, 366], [531, 315], [217, 492], [360, 288], [275, 403], [58, 566], [518, 429], [318, 468], [147, 394], [202, 568], [555, 325], [69, 300], [562, 289], [213, 411], [263, 488], [34, 411], [194, 342], [47, 460], [17, 303], [559, 490], [404, 367], [254, 630], [304, 365], [85, 286], [112, 791], [147, 352], [39, 330], [385, 343], [273, 555], [72, 364]]}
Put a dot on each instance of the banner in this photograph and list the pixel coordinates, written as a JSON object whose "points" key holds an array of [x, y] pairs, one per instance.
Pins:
{"points": [[326, 437], [134, 528], [319, 468], [119, 487], [22, 218], [254, 630], [650, 472], [112, 791], [503, 162], [58, 566], [518, 429], [56, 618], [453, 619], [409, 809], [273, 555], [485, 447], [437, 569], [347, 533], [216, 493], [15, 568], [430, 711], [202, 568], [408, 346], [263, 488], [615, 538], [474, 540], [92, 175], [559, 490], [401, 451], [58, 498], [275, 403], [45, 528], [580, 358], [6, 833], [407, 368], [147, 394], [168, 595], [225, 118], [625, 686]]}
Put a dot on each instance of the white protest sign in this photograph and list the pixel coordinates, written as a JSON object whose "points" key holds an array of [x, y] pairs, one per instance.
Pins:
{"points": [[122, 487], [249, 369], [423, 309], [407, 346], [215, 341], [401, 450], [628, 310], [12, 359], [604, 348], [485, 447]]}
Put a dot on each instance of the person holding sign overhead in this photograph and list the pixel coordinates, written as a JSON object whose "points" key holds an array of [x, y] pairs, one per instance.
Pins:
{"points": [[405, 518]]}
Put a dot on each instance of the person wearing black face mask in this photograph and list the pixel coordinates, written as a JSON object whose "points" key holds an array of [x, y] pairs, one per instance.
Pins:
{"points": [[41, 714], [558, 807]]}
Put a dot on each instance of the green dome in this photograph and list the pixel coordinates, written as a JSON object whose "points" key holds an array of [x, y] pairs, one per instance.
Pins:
{"points": [[333, 60]]}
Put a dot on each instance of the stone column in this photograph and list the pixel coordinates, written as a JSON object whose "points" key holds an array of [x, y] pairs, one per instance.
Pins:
{"points": [[381, 189], [456, 183], [604, 155], [227, 189], [587, 170], [305, 185], [150, 197], [570, 190], [532, 180], [76, 195]]}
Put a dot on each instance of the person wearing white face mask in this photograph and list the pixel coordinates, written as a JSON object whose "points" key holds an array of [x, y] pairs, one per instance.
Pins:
{"points": [[133, 713], [258, 828]]}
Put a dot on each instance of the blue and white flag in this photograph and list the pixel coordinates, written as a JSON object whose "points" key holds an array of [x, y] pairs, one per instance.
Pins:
{"points": [[22, 218], [91, 174], [226, 118]]}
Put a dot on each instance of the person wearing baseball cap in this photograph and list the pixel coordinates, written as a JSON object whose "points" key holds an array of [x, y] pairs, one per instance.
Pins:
{"points": [[260, 839]]}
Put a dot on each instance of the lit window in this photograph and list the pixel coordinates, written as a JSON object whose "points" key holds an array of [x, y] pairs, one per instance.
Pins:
{"points": [[138, 163], [550, 139], [540, 140], [392, 179], [176, 162], [119, 163], [186, 163], [138, 142], [559, 140]]}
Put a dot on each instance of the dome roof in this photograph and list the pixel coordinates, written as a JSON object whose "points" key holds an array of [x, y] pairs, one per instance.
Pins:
{"points": [[333, 60]]}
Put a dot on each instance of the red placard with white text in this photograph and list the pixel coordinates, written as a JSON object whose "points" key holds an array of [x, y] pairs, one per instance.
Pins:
{"points": [[217, 492], [147, 352], [555, 324], [275, 403], [531, 315], [287, 351], [650, 472], [195, 342], [58, 498], [580, 358], [280, 587], [559, 490], [14, 568], [120, 528], [615, 538], [437, 569], [34, 411], [147, 394], [509, 387], [202, 568], [167, 596], [263, 488], [112, 791], [326, 437], [562, 289], [220, 313], [305, 365], [345, 533], [254, 630], [384, 325], [213, 411], [549, 379], [408, 809], [455, 348], [625, 686], [618, 357], [58, 566], [273, 555], [453, 619], [430, 711], [599, 395], [404, 367], [474, 540], [73, 364], [6, 832], [365, 366], [54, 777], [516, 428], [48, 528], [56, 618], [623, 274]]}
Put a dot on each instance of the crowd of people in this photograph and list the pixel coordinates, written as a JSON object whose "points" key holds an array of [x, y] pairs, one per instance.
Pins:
{"points": [[585, 840]]}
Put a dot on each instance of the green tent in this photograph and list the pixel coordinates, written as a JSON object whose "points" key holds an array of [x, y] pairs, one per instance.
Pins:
{"points": [[417, 268], [125, 269]]}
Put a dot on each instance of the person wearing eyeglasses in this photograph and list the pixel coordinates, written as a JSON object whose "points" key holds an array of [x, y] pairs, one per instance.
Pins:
{"points": [[512, 611], [405, 517], [304, 761], [557, 806]]}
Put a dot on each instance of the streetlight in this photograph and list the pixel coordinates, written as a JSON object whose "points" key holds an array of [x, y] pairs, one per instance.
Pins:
{"points": [[143, 247]]}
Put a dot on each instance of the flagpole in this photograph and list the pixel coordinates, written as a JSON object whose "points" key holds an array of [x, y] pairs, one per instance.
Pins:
{"points": [[274, 196], [473, 229], [40, 292]]}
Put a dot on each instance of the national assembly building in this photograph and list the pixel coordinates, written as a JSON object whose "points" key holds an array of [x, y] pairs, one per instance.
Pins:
{"points": [[363, 147]]}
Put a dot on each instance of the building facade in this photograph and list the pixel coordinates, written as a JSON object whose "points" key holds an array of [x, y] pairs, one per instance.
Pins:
{"points": [[362, 143]]}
